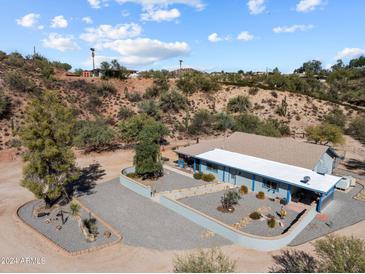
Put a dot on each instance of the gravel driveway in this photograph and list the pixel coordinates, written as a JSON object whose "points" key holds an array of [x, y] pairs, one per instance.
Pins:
{"points": [[145, 223]]}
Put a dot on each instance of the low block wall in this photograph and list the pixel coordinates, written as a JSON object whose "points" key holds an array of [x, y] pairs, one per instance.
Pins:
{"points": [[133, 185], [238, 237]]}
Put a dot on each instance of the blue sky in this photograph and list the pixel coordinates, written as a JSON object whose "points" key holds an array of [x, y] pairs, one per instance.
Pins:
{"points": [[211, 35]]}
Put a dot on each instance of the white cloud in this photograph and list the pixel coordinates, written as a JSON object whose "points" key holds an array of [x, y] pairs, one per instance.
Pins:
{"points": [[350, 53], [150, 4], [308, 5], [59, 22], [108, 32], [293, 28], [29, 20], [245, 36], [97, 4], [87, 20], [60, 42], [145, 51], [160, 15], [214, 38], [256, 6]]}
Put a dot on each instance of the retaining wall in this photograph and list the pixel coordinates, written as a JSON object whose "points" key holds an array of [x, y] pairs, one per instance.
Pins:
{"points": [[236, 236], [140, 189]]}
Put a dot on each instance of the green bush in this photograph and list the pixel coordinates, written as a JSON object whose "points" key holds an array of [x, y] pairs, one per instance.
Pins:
{"points": [[93, 102], [246, 123], [173, 101], [17, 82], [223, 121], [190, 83], [208, 177], [324, 134], [260, 195], [75, 209], [15, 59], [4, 104], [133, 96], [201, 122], [336, 117], [212, 261], [255, 215], [150, 107], [106, 89], [357, 128], [229, 199], [125, 113], [198, 175], [239, 104], [243, 189], [271, 222]]}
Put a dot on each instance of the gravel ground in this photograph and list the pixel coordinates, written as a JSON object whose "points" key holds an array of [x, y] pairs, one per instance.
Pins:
{"points": [[145, 223], [343, 211], [173, 181], [208, 204], [70, 236]]}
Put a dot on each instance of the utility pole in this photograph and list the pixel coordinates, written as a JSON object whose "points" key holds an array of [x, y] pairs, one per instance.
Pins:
{"points": [[181, 61], [93, 56]]}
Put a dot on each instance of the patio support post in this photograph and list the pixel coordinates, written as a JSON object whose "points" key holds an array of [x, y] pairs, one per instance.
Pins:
{"points": [[319, 206], [194, 165], [253, 183], [288, 195]]}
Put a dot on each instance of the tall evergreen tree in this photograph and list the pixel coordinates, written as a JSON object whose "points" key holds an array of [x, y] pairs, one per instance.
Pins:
{"points": [[47, 135]]}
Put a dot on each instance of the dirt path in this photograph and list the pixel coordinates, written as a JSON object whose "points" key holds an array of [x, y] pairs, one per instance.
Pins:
{"points": [[18, 241]]}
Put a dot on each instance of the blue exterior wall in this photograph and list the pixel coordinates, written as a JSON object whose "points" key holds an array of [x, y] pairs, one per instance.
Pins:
{"points": [[239, 178], [326, 164]]}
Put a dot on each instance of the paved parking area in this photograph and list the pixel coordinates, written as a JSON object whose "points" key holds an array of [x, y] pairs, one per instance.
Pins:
{"points": [[145, 223], [249, 203], [342, 212], [173, 181]]}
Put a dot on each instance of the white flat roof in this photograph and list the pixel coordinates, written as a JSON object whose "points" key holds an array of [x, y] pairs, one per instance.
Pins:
{"points": [[289, 174]]}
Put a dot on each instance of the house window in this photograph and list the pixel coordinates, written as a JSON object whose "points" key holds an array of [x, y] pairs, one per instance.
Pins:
{"points": [[212, 168], [271, 185]]}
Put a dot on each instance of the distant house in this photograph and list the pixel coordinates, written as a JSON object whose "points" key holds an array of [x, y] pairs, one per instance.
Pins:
{"points": [[281, 168]]}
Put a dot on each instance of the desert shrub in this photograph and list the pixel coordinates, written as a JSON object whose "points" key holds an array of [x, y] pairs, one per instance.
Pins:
{"points": [[93, 102], [212, 261], [17, 82], [223, 121], [207, 177], [83, 86], [91, 226], [271, 222], [190, 83], [133, 96], [230, 198], [253, 91], [246, 123], [357, 128], [150, 107], [15, 143], [260, 195], [336, 117], [255, 215], [324, 134], [274, 94], [75, 209], [93, 135], [198, 175], [201, 122], [243, 189], [173, 101], [294, 261], [125, 113], [239, 104], [340, 254], [4, 104], [2, 55], [106, 89], [15, 59]]}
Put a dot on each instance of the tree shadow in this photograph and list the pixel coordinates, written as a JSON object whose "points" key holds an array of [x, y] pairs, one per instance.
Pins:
{"points": [[86, 183], [354, 164]]}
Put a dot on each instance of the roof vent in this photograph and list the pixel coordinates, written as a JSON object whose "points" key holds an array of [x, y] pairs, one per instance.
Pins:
{"points": [[306, 179]]}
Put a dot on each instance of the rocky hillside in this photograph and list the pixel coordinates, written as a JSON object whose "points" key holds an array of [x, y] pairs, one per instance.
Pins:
{"points": [[22, 79]]}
